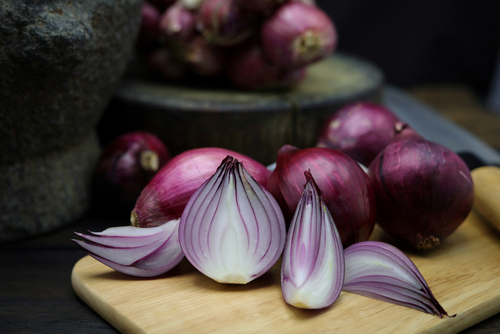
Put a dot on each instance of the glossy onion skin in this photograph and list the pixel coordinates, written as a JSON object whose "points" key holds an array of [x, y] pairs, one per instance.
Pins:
{"points": [[361, 130], [424, 191], [166, 195], [344, 186]]}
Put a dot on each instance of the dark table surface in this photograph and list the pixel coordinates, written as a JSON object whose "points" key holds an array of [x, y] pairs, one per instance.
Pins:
{"points": [[36, 295]]}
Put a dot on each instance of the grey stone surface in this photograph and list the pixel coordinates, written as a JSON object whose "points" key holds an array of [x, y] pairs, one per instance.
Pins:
{"points": [[43, 193], [59, 64]]}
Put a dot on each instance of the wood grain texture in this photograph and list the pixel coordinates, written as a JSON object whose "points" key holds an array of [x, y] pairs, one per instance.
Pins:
{"points": [[487, 193], [463, 273]]}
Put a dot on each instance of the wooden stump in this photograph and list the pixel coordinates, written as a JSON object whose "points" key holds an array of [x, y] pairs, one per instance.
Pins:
{"points": [[254, 123]]}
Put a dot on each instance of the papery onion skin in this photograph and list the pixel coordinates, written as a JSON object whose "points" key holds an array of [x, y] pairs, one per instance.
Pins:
{"points": [[223, 22], [424, 190], [298, 34], [381, 271], [360, 130], [166, 195], [136, 251], [232, 230], [344, 185], [312, 267], [125, 167]]}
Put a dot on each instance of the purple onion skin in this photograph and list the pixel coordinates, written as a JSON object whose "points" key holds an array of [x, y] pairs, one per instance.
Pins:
{"points": [[122, 170], [360, 130], [424, 191], [345, 188], [298, 34], [166, 195], [177, 23], [222, 22]]}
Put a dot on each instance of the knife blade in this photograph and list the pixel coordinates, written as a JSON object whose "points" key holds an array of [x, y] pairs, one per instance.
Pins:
{"points": [[434, 127]]}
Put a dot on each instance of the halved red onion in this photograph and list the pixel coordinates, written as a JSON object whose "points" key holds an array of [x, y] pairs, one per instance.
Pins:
{"points": [[312, 268], [142, 252], [177, 23], [298, 34], [223, 22], [381, 271], [166, 195], [424, 191], [232, 230], [344, 186], [125, 167], [361, 130]]}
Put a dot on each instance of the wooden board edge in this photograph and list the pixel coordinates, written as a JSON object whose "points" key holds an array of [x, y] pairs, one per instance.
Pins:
{"points": [[99, 305]]}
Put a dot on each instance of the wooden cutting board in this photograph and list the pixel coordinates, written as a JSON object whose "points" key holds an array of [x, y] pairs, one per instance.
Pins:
{"points": [[463, 273]]}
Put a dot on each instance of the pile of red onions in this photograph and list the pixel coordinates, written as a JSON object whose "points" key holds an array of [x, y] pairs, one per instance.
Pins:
{"points": [[424, 191], [270, 42], [345, 188]]}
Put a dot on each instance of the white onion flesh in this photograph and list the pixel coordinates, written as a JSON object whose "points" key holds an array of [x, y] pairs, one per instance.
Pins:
{"points": [[232, 230]]}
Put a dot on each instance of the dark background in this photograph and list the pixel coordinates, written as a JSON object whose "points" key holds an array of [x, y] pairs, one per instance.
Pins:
{"points": [[422, 42]]}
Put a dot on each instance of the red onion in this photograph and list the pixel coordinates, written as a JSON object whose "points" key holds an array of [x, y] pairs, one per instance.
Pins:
{"points": [[344, 185], [126, 165], [164, 64], [150, 18], [223, 22], [381, 271], [312, 268], [177, 23], [298, 34], [232, 229], [136, 251], [424, 190], [203, 58], [166, 195], [360, 130]]}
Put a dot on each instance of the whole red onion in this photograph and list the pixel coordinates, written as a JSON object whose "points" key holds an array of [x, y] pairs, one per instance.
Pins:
{"points": [[203, 58], [166, 195], [150, 18], [177, 23], [163, 63], [298, 34], [424, 191], [225, 23], [344, 186], [126, 165], [360, 130]]}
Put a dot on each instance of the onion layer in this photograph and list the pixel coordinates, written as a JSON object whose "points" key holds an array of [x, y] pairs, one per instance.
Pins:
{"points": [[344, 186], [166, 195], [378, 270], [312, 269], [136, 251], [424, 191], [232, 230]]}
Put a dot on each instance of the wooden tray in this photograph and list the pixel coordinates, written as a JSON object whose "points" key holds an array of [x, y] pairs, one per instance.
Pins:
{"points": [[463, 273]]}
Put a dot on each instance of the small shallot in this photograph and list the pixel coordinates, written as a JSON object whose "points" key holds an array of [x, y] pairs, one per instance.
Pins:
{"points": [[381, 271], [166, 195], [298, 34], [232, 230], [135, 251], [312, 268], [177, 23], [360, 130]]}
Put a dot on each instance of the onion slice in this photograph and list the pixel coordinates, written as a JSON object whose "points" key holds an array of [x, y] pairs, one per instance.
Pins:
{"points": [[232, 230], [142, 252], [312, 272], [381, 271]]}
